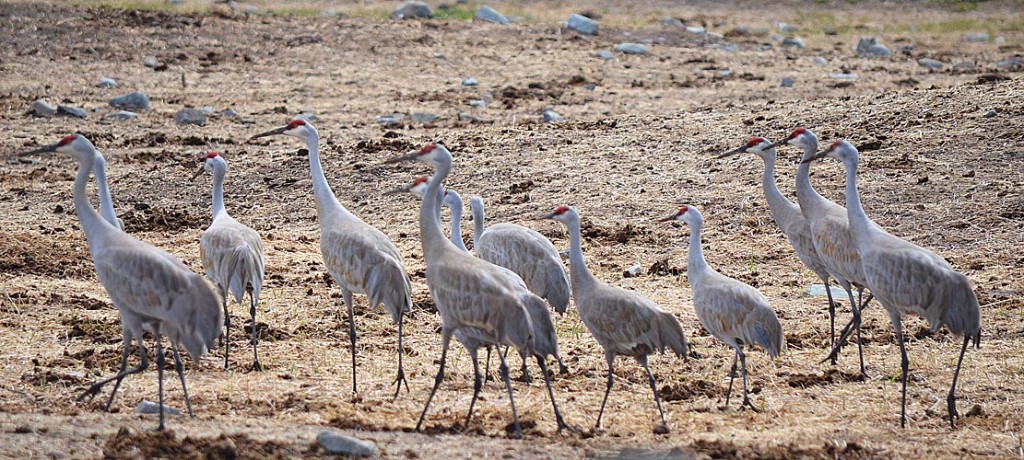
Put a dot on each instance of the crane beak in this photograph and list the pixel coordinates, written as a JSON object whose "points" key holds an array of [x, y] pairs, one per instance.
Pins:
{"points": [[545, 216], [668, 219], [272, 132], [395, 191], [47, 149], [816, 156], [401, 158], [198, 173], [778, 143], [732, 152]]}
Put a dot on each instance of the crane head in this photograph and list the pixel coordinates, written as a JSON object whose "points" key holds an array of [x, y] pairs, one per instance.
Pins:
{"points": [[430, 153], [211, 161], [686, 213], [417, 187], [75, 144], [562, 214], [841, 150], [757, 145], [452, 199], [298, 127]]}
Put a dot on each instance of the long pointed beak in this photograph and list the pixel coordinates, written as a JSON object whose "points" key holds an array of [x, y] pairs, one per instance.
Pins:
{"points": [[198, 173], [733, 152], [394, 191], [667, 219], [47, 149], [816, 156], [407, 157], [544, 216], [272, 132], [778, 143]]}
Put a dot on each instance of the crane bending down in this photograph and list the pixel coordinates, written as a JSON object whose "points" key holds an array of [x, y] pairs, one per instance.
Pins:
{"points": [[232, 256], [907, 278], [730, 310], [151, 289], [360, 258], [830, 232], [623, 322], [790, 220], [472, 294]]}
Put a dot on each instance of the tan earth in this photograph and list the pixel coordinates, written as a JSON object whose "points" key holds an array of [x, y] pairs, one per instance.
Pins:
{"points": [[941, 166]]}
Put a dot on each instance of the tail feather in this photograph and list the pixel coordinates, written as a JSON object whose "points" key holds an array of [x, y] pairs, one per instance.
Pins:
{"points": [[545, 337], [205, 319], [388, 284], [672, 335], [558, 289], [766, 331], [960, 312]]}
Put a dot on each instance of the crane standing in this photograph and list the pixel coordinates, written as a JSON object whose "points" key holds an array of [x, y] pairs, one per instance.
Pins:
{"points": [[232, 256], [360, 258], [472, 294], [623, 322], [907, 278], [151, 288], [730, 310]]}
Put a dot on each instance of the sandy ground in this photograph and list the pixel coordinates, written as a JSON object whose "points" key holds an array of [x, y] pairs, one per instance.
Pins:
{"points": [[941, 166]]}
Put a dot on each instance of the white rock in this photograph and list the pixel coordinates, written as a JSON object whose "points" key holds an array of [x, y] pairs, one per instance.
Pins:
{"points": [[339, 444]]}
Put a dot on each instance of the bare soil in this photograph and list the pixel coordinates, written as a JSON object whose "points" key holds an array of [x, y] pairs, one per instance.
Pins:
{"points": [[941, 166]]}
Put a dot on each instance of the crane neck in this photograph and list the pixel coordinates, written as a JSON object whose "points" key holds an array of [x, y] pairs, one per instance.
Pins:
{"points": [[777, 202], [697, 265], [321, 189], [431, 236], [809, 198], [859, 221], [582, 279], [456, 224], [93, 225], [219, 171], [106, 202], [477, 208]]}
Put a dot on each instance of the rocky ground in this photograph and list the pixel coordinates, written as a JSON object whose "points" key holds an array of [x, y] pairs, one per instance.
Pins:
{"points": [[938, 121]]}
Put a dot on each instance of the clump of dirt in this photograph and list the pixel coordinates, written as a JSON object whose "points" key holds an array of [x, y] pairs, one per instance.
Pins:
{"points": [[829, 451], [690, 391], [664, 267], [829, 377], [20, 252], [128, 444], [144, 217], [96, 330]]}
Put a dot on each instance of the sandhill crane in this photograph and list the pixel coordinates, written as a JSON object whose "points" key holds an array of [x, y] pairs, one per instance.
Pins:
{"points": [[472, 294], [830, 232], [730, 310], [623, 322], [524, 251], [790, 220], [232, 256], [451, 199], [360, 258], [907, 278], [151, 288]]}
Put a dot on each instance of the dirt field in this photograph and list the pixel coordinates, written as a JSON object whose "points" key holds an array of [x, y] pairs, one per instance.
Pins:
{"points": [[941, 166]]}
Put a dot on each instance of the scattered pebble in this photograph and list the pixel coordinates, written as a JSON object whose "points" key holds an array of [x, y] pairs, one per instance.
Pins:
{"points": [[906, 49], [423, 117], [150, 62], [1000, 40], [844, 76], [965, 65], [488, 14], [632, 272], [820, 60], [829, 31], [389, 120], [230, 113], [672, 22], [727, 47], [976, 37], [590, 86], [605, 54], [339, 444], [868, 46], [150, 407], [550, 116], [136, 101], [786, 82], [72, 111], [696, 30], [1015, 63], [787, 29], [582, 24], [463, 116], [794, 42], [929, 63], [43, 109], [190, 116], [107, 82], [631, 48], [478, 103], [990, 114], [122, 115], [207, 110], [412, 10], [470, 82]]}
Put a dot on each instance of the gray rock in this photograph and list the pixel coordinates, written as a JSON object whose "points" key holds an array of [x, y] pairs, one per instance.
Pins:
{"points": [[632, 272], [590, 86], [550, 116], [786, 28], [794, 42], [230, 113], [906, 49], [672, 22], [107, 82], [150, 62], [582, 24], [478, 103], [820, 60], [412, 10], [739, 31], [777, 38], [190, 116], [605, 54], [135, 102], [724, 73], [631, 48], [1015, 63], [990, 114], [829, 31], [976, 37], [844, 76], [470, 82], [43, 109], [868, 46], [150, 407], [339, 444], [390, 120], [72, 111], [820, 290], [207, 110], [488, 14], [787, 82], [696, 30], [463, 116], [965, 65], [423, 117], [929, 63], [727, 47], [122, 115], [1000, 40]]}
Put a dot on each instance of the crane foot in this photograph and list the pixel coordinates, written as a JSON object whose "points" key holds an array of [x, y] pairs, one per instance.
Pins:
{"points": [[661, 429], [257, 366], [747, 403], [399, 380]]}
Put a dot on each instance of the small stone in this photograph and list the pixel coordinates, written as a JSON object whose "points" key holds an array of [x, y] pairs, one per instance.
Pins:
{"points": [[844, 76], [207, 110], [632, 272], [829, 31], [976, 411], [696, 30], [605, 54], [470, 82], [478, 103], [868, 46], [43, 109], [150, 407], [777, 38], [786, 82], [990, 114], [786, 28], [672, 22], [463, 116], [738, 31], [107, 82], [929, 63], [819, 290], [339, 444], [488, 14], [727, 47], [72, 111], [724, 73], [190, 116], [976, 37], [122, 115], [389, 120], [1015, 64], [631, 48], [230, 113], [965, 65], [550, 116], [1000, 40], [590, 86], [136, 101], [150, 62], [55, 454], [906, 49], [423, 117], [820, 60], [794, 42], [412, 10], [582, 24]]}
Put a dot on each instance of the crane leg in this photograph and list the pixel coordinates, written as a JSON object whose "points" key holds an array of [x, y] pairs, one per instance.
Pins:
{"points": [[227, 328], [525, 373], [487, 365], [951, 398], [551, 392], [446, 338], [732, 377], [831, 315], [610, 357], [400, 378], [562, 369], [746, 394], [160, 376], [94, 389], [853, 324], [904, 367], [478, 383], [663, 429], [180, 369], [511, 399], [256, 365], [347, 296]]}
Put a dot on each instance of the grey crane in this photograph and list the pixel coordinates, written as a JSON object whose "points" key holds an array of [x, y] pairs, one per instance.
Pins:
{"points": [[790, 220], [906, 278], [473, 295], [730, 310], [360, 258], [152, 289], [451, 199], [232, 256], [524, 251], [623, 322], [830, 232]]}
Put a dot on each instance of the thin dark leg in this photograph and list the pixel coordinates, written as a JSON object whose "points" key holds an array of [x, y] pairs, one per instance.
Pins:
{"points": [[831, 314], [610, 357], [654, 388], [400, 378], [94, 389], [551, 392], [951, 399], [446, 337], [487, 365], [181, 375], [347, 296], [561, 366], [143, 365], [478, 383], [904, 367], [746, 394], [511, 399], [853, 324], [525, 373], [160, 376], [227, 329], [732, 376], [256, 365]]}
